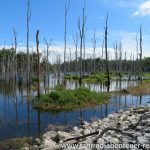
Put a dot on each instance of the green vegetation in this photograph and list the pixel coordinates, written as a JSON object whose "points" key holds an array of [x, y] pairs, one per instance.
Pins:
{"points": [[16, 143], [147, 74], [62, 99], [97, 77], [141, 89]]}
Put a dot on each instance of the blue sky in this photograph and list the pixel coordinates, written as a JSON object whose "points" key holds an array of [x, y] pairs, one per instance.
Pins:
{"points": [[125, 18]]}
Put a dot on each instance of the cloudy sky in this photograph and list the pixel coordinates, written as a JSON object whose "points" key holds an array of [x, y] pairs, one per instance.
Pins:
{"points": [[125, 18]]}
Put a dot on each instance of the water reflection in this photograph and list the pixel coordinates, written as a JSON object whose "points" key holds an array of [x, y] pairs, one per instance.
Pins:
{"points": [[18, 118]]}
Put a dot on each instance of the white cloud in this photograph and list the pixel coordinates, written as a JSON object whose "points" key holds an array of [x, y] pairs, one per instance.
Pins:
{"points": [[143, 9]]}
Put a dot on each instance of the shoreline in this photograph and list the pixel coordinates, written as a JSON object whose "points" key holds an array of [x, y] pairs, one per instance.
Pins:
{"points": [[123, 127]]}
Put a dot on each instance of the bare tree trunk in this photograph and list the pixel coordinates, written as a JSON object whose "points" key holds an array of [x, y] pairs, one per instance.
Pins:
{"points": [[81, 28], [84, 55], [38, 61], [65, 37], [76, 39], [28, 58], [106, 54], [102, 63], [15, 55], [94, 55], [137, 57], [141, 51], [47, 61]]}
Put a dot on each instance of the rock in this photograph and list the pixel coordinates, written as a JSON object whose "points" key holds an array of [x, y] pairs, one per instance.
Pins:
{"points": [[94, 125], [53, 147], [100, 141], [147, 135], [47, 143], [63, 135], [105, 120], [114, 140], [37, 141], [118, 136], [86, 131], [50, 135], [120, 111], [111, 116], [125, 140], [85, 123], [75, 128], [34, 147], [123, 117], [142, 140], [139, 127], [127, 113]]}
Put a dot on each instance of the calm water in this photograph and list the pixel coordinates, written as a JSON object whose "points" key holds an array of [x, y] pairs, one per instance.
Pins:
{"points": [[18, 118]]}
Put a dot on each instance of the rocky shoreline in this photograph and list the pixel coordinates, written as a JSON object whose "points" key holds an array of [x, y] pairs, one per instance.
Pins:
{"points": [[128, 128]]}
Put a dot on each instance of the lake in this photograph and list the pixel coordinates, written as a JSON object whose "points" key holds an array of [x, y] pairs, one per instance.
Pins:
{"points": [[18, 118]]}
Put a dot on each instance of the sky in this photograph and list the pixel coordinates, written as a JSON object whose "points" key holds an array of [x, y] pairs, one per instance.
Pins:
{"points": [[124, 20]]}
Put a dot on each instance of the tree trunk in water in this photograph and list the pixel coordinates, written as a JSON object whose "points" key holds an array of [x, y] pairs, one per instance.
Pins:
{"points": [[38, 61], [106, 52]]}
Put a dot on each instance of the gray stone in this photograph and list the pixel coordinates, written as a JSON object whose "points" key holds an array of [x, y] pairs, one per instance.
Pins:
{"points": [[120, 111], [127, 113], [100, 141], [125, 140], [47, 143], [63, 135], [123, 117], [75, 128], [34, 147], [105, 120], [147, 135], [114, 140], [111, 116], [94, 125], [37, 141], [85, 123], [142, 140], [86, 131]]}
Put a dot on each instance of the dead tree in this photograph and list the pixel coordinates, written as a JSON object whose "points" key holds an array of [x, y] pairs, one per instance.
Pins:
{"points": [[38, 61], [94, 42], [106, 54], [15, 54], [137, 51], [102, 62], [65, 37], [116, 55], [84, 65], [76, 40], [81, 27], [120, 59], [28, 57], [48, 44], [141, 51]]}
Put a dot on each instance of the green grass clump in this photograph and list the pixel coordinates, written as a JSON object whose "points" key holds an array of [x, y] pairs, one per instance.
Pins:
{"points": [[147, 74], [62, 99], [72, 76]]}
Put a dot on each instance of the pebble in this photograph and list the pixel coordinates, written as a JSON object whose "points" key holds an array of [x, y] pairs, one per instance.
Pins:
{"points": [[52, 140]]}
